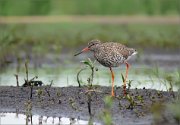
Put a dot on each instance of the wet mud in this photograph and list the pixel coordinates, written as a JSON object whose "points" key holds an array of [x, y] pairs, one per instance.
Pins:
{"points": [[74, 102]]}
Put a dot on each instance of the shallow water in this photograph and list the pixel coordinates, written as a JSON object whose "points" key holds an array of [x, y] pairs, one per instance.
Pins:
{"points": [[143, 76], [147, 70], [21, 119]]}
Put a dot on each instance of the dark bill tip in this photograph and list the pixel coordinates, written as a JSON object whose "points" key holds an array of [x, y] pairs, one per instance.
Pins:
{"points": [[77, 53]]}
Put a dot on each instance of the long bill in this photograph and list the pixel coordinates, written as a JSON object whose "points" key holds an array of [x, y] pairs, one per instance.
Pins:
{"points": [[84, 50]]}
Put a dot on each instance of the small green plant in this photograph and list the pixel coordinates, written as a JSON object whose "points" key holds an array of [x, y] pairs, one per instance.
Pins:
{"points": [[158, 111], [140, 98], [106, 114], [132, 103], [122, 76], [58, 93], [169, 79], [88, 65], [129, 84], [90, 88], [28, 106], [78, 79], [47, 89], [175, 110], [39, 93], [90, 121], [73, 104]]}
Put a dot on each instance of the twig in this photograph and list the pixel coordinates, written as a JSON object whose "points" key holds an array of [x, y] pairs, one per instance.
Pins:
{"points": [[17, 81], [31, 91], [89, 104], [48, 92], [33, 79], [26, 67]]}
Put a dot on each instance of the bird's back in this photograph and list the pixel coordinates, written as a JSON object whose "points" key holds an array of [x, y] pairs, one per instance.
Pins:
{"points": [[112, 54]]}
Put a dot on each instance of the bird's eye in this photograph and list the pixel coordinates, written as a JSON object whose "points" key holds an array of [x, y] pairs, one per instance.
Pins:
{"points": [[92, 44]]}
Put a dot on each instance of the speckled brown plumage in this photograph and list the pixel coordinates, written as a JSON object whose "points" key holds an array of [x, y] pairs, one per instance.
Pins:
{"points": [[110, 54]]}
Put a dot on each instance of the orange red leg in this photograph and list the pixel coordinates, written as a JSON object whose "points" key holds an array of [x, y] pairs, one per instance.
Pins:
{"points": [[112, 76], [124, 86]]}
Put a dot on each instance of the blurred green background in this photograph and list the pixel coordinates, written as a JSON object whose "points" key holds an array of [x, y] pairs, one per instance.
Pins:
{"points": [[92, 7], [19, 38]]}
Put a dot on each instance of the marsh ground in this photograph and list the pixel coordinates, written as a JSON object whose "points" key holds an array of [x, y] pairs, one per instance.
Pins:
{"points": [[72, 102]]}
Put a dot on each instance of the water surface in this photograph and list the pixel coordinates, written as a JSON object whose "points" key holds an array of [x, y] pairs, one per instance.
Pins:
{"points": [[148, 70]]}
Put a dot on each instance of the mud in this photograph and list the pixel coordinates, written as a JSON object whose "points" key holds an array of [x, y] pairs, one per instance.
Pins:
{"points": [[72, 102]]}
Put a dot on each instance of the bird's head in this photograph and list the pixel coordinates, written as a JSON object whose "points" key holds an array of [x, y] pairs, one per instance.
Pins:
{"points": [[133, 51], [92, 45]]}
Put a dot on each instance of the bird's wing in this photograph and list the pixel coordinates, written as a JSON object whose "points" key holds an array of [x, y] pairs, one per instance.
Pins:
{"points": [[118, 49], [124, 51]]}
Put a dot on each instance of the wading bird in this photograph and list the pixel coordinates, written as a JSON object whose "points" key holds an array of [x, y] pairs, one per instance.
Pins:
{"points": [[110, 54]]}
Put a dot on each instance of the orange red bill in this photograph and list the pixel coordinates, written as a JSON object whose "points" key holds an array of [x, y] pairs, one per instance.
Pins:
{"points": [[84, 50]]}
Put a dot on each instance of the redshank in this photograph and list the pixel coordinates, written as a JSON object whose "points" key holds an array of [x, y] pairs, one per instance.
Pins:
{"points": [[111, 54]]}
